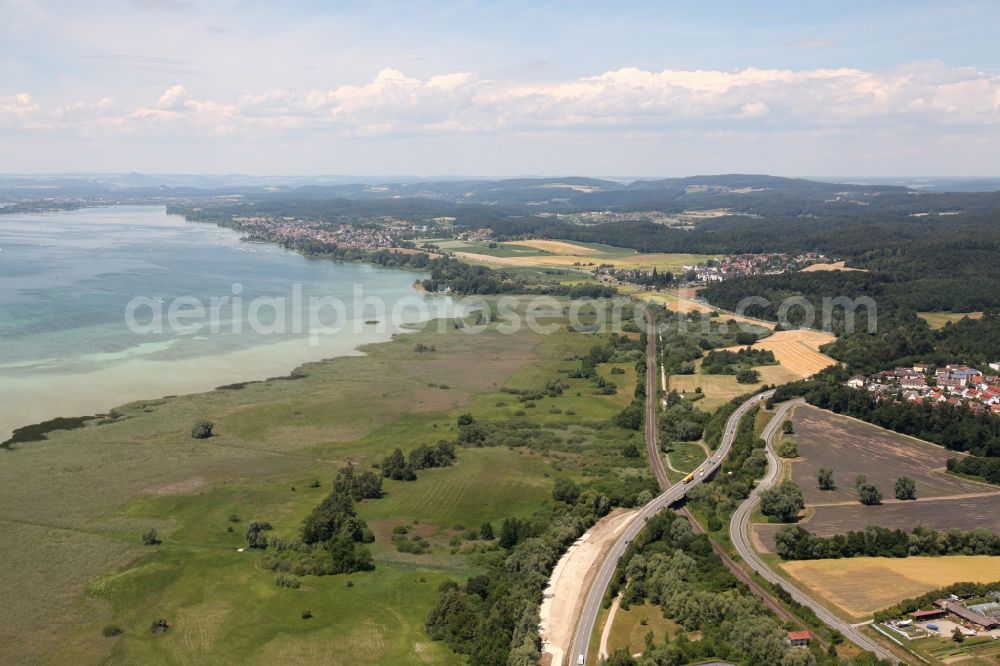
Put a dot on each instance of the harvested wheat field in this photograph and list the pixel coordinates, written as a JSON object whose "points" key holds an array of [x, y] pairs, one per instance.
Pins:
{"points": [[719, 389], [862, 585], [683, 303], [938, 320], [557, 247], [798, 351], [835, 266]]}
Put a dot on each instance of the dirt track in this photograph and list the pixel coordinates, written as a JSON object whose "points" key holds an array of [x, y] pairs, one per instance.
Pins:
{"points": [[570, 582]]}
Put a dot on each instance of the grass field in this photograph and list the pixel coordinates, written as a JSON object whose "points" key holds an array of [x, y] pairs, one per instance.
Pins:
{"points": [[73, 562], [686, 456], [630, 628], [937, 320], [862, 585]]}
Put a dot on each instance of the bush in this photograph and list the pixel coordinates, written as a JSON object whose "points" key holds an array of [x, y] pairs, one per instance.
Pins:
{"points": [[905, 488], [787, 449], [202, 429], [159, 626], [286, 580], [825, 479], [149, 537], [869, 494], [255, 534], [782, 503], [307, 614], [110, 630]]}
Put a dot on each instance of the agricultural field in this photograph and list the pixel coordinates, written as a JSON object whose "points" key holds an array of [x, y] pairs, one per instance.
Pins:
{"points": [[834, 266], [720, 389], [851, 448], [682, 301], [968, 512], [563, 254], [938, 320], [73, 557], [798, 351], [978, 651], [862, 585]]}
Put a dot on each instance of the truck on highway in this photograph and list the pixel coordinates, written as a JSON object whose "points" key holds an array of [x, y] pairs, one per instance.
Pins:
{"points": [[688, 479]]}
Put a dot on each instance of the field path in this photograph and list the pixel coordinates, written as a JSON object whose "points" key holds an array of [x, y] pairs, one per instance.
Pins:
{"points": [[570, 580], [602, 652], [893, 500]]}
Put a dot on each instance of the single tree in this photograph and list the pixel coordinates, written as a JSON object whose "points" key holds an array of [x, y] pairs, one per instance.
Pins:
{"points": [[486, 532], [787, 427], [826, 479], [869, 494], [957, 635], [202, 429], [906, 488], [566, 491], [255, 534], [783, 502], [149, 537]]}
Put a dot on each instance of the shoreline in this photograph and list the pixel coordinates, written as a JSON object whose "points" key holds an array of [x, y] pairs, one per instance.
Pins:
{"points": [[246, 366], [81, 395]]}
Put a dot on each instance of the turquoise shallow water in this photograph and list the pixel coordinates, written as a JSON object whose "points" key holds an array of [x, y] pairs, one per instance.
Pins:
{"points": [[67, 278]]}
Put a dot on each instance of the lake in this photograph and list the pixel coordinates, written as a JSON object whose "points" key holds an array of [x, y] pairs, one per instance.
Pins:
{"points": [[70, 280]]}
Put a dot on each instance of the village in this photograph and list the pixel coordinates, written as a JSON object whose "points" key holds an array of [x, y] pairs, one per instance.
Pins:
{"points": [[385, 234], [743, 265], [953, 385]]}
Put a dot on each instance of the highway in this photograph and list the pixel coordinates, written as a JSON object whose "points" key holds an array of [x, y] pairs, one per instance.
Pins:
{"points": [[739, 534], [671, 495]]}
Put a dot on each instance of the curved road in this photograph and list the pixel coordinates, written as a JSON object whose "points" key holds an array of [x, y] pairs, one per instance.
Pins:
{"points": [[739, 534], [595, 595]]}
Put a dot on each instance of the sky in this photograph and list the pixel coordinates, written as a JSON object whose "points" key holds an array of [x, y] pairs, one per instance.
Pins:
{"points": [[468, 88]]}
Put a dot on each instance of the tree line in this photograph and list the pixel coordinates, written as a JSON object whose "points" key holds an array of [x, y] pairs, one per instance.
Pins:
{"points": [[794, 542]]}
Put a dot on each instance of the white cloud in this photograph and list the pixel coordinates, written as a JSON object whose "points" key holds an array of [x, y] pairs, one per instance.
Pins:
{"points": [[628, 100], [173, 99]]}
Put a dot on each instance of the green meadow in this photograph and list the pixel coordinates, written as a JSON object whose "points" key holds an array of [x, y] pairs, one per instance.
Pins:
{"points": [[75, 504]]}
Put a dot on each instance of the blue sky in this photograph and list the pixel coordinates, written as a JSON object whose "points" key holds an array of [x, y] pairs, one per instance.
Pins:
{"points": [[500, 88]]}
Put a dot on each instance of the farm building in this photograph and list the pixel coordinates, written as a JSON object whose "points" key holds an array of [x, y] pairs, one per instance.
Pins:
{"points": [[967, 614], [932, 614], [799, 638]]}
